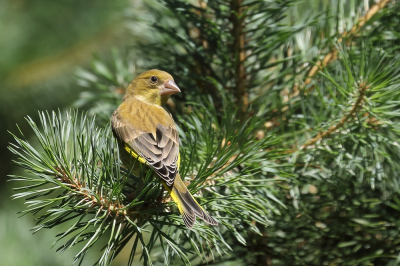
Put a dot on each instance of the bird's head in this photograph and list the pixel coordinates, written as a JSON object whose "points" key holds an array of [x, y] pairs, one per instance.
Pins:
{"points": [[153, 86]]}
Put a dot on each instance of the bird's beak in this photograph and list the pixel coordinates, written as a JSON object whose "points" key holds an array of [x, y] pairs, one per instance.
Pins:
{"points": [[169, 88]]}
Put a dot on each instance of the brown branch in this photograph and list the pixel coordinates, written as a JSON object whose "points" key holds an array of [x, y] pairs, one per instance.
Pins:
{"points": [[355, 108], [332, 55], [112, 207], [238, 50]]}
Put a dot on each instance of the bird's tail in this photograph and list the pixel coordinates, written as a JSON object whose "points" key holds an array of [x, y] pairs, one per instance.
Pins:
{"points": [[187, 205]]}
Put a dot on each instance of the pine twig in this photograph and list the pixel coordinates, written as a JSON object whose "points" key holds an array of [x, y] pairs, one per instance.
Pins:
{"points": [[113, 207], [332, 55], [356, 107]]}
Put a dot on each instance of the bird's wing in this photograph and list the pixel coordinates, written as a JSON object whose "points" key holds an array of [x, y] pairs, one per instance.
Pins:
{"points": [[159, 147]]}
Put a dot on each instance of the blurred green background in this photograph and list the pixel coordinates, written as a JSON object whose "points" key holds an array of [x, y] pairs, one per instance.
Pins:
{"points": [[41, 44]]}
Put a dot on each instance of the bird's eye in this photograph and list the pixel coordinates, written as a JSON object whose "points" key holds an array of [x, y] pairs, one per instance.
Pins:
{"points": [[153, 79]]}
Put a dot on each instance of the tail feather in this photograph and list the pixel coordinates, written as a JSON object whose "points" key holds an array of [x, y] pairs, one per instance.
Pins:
{"points": [[187, 205]]}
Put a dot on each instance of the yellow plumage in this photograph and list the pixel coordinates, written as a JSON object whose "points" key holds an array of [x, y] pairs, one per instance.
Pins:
{"points": [[146, 133]]}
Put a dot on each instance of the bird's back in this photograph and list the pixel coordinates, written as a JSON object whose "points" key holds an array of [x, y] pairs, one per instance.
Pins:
{"points": [[141, 116]]}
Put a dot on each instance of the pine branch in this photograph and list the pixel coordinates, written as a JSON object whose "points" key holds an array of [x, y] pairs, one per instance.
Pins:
{"points": [[363, 87], [332, 55], [114, 208], [80, 164]]}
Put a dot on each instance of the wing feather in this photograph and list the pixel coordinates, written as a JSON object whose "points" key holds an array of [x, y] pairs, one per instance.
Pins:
{"points": [[160, 150]]}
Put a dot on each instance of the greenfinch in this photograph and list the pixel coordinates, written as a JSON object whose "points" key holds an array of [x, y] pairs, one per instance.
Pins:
{"points": [[146, 132]]}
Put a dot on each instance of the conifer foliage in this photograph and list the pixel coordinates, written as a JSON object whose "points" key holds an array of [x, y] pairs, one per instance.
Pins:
{"points": [[289, 129]]}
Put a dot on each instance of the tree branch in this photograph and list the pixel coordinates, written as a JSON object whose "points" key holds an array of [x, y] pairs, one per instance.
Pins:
{"points": [[238, 50], [356, 107], [113, 207], [331, 56]]}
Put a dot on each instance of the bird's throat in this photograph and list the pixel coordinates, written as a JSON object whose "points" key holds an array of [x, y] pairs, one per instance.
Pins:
{"points": [[149, 100]]}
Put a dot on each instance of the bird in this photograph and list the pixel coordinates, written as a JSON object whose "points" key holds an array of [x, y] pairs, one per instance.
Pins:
{"points": [[146, 132]]}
